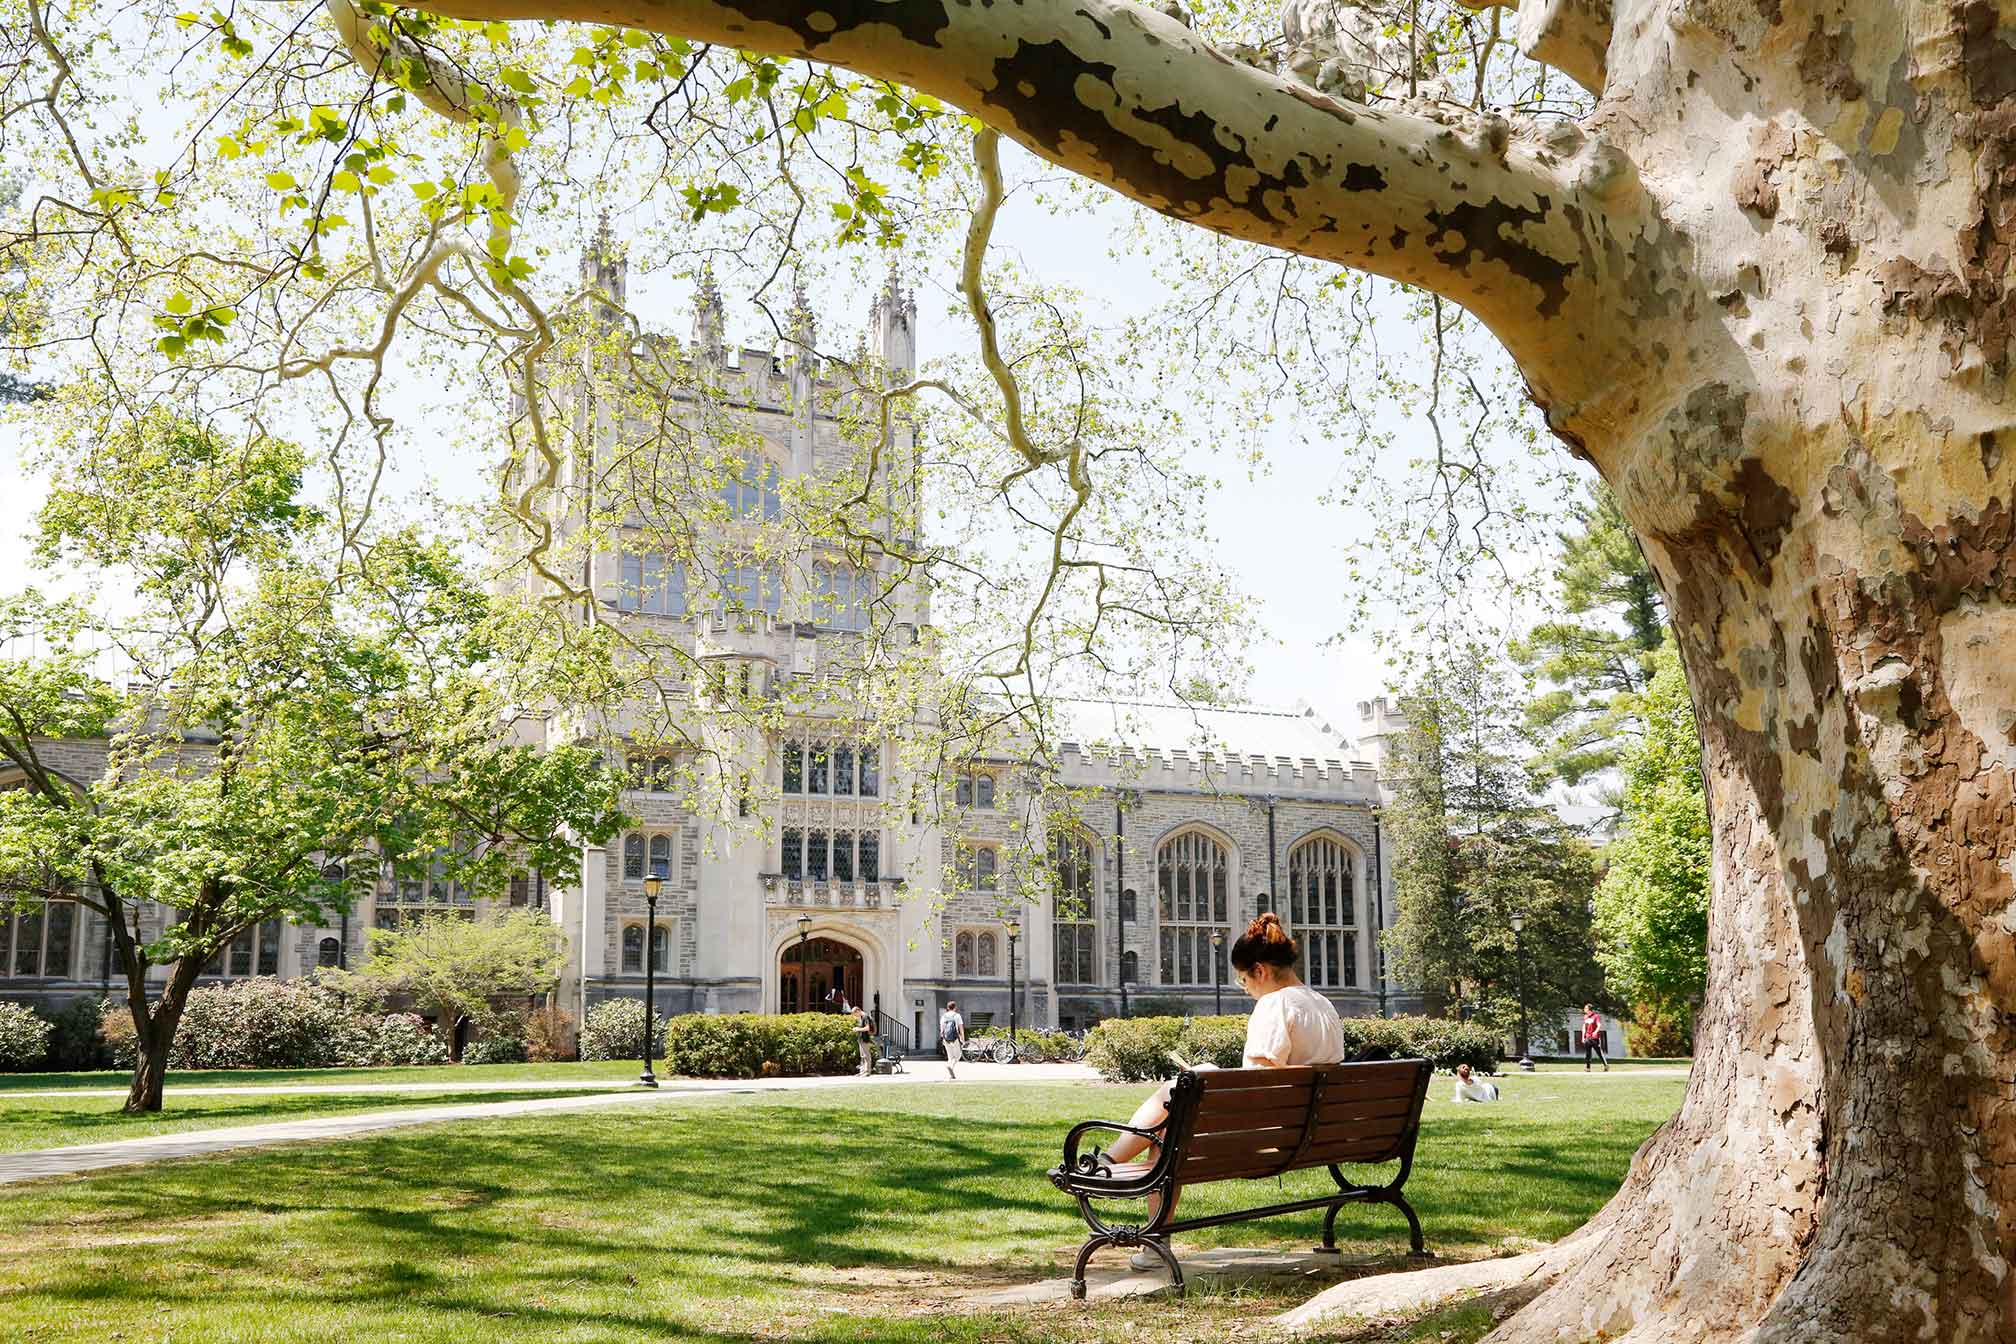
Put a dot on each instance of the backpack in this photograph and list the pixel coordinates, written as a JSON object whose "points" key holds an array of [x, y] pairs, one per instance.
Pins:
{"points": [[948, 1026]]}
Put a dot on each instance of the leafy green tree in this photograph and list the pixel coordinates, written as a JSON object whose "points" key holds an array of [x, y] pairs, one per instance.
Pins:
{"points": [[457, 969], [1596, 655], [298, 704], [1473, 847], [1652, 906]]}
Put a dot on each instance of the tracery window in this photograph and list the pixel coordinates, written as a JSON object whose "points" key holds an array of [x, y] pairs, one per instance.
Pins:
{"points": [[1191, 875], [831, 769], [1074, 929], [647, 855], [962, 959], [1322, 911], [751, 489], [41, 942], [653, 583], [978, 867], [841, 596], [255, 951], [986, 953], [975, 788]]}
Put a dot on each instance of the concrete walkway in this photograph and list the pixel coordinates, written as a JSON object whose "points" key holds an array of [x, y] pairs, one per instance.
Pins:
{"points": [[73, 1161]]}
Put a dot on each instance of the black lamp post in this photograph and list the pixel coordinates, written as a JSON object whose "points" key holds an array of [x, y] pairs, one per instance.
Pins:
{"points": [[804, 971], [1519, 955], [1217, 976], [652, 885], [1014, 999], [1127, 899]]}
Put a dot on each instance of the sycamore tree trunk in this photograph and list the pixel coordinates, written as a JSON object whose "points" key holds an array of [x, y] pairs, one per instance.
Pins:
{"points": [[1765, 290]]}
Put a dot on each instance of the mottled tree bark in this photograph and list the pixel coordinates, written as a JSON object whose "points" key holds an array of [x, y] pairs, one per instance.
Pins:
{"points": [[1765, 289]]}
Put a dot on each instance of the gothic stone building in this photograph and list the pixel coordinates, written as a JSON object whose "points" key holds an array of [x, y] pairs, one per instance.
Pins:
{"points": [[1182, 824]]}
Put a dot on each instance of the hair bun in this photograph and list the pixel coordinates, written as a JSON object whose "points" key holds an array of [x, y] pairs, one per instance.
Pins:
{"points": [[1267, 929]]}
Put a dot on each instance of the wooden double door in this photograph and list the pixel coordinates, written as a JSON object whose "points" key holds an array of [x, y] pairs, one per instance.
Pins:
{"points": [[814, 977]]}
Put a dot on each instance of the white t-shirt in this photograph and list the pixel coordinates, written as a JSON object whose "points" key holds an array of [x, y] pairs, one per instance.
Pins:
{"points": [[1292, 1026], [1475, 1090]]}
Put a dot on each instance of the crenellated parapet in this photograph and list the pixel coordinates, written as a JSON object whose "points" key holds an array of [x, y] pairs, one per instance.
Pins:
{"points": [[1178, 771]]}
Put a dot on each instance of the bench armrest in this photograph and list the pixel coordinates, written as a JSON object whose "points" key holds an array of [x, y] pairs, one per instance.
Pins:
{"points": [[1071, 1159]]}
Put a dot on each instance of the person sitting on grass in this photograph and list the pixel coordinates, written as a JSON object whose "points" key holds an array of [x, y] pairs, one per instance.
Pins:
{"points": [[1291, 1025], [1473, 1089]]}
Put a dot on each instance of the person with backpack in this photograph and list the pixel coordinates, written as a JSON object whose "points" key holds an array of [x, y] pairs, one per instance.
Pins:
{"points": [[952, 1035], [1592, 1038], [864, 1037]]}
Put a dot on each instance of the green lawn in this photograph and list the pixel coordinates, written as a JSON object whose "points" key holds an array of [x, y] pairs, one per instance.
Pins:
{"points": [[856, 1213], [62, 1122], [608, 1070]]}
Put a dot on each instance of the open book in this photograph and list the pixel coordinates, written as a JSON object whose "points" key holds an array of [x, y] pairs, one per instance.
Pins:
{"points": [[1187, 1066]]}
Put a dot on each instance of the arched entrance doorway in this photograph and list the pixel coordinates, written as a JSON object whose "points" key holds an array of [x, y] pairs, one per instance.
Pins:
{"points": [[807, 981]]}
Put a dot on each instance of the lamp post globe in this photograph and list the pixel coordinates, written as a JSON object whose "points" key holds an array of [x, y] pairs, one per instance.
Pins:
{"points": [[1519, 956], [652, 886], [1217, 973]]}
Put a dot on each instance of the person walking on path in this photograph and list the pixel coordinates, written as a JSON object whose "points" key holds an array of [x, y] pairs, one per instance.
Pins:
{"points": [[1592, 1038], [864, 1037], [952, 1035]]}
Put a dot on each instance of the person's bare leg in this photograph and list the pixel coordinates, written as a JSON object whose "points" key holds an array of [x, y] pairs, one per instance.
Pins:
{"points": [[1148, 1115]]}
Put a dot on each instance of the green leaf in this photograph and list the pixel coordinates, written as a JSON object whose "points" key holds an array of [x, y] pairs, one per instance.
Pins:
{"points": [[516, 79], [425, 190], [345, 180], [280, 180], [178, 303]]}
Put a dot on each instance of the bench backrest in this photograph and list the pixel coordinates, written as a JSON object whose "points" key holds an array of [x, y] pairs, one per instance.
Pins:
{"points": [[1260, 1122]]}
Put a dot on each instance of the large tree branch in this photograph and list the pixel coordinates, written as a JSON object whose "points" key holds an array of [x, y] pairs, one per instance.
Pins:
{"points": [[1508, 225]]}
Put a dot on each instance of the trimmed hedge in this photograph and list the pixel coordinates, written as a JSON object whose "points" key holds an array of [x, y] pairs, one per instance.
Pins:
{"points": [[1139, 1049], [726, 1045], [752, 1045], [24, 1037]]}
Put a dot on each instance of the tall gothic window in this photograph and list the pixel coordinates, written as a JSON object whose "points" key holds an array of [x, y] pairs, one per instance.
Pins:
{"points": [[661, 859], [1074, 930], [1322, 911], [652, 583], [832, 769], [987, 954], [974, 789], [633, 864], [41, 941], [1191, 875], [962, 959], [256, 951], [978, 867], [749, 586], [751, 489], [633, 955], [841, 596]]}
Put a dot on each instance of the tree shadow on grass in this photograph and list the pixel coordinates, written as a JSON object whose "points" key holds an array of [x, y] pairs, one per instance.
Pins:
{"points": [[721, 1208]]}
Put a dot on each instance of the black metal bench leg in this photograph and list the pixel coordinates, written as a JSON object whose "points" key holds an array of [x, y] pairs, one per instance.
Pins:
{"points": [[1399, 1201], [1161, 1247], [1329, 1246], [1092, 1243]]}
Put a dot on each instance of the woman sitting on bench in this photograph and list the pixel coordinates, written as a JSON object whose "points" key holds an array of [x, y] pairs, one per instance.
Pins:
{"points": [[1291, 1025]]}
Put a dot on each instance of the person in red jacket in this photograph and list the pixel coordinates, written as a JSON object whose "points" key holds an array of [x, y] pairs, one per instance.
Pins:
{"points": [[1592, 1038]]}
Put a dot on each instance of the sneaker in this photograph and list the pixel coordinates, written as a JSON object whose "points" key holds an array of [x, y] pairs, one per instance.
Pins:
{"points": [[1146, 1259]]}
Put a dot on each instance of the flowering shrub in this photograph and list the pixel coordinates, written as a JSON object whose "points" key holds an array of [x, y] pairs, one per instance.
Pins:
{"points": [[24, 1037], [76, 1041], [258, 1024], [392, 1040], [614, 1029], [502, 1049], [550, 1036], [278, 1024]]}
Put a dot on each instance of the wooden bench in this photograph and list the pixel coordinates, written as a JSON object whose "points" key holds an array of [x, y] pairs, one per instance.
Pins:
{"points": [[1242, 1124]]}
